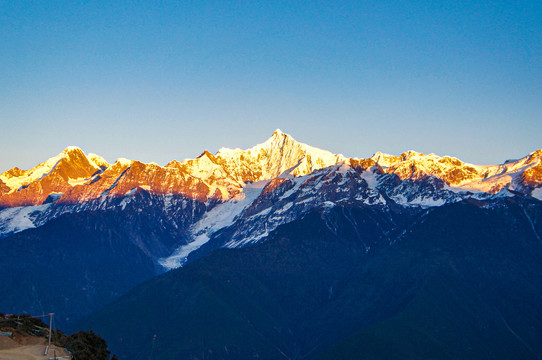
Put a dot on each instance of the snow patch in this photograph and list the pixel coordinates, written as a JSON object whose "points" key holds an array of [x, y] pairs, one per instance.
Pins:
{"points": [[97, 160], [17, 219], [178, 258], [285, 208], [123, 161], [78, 181], [419, 201], [298, 181], [262, 213], [537, 193], [219, 217], [370, 178]]}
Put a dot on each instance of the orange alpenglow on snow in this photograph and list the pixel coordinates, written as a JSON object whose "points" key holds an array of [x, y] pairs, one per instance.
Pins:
{"points": [[74, 177]]}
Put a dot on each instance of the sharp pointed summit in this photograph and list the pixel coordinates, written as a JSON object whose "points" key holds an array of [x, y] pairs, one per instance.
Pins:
{"points": [[72, 176], [71, 149], [169, 216]]}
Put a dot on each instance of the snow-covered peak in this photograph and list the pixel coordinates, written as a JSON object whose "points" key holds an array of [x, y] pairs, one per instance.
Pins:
{"points": [[287, 145], [71, 149], [414, 165], [71, 164], [97, 160], [461, 176], [74, 155], [205, 167], [279, 154], [410, 154], [124, 162], [17, 179], [278, 139], [535, 156], [225, 174], [224, 152], [207, 156], [387, 160], [383, 159]]}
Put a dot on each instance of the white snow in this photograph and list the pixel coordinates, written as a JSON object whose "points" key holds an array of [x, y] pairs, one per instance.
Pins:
{"points": [[78, 181], [45, 168], [127, 199], [219, 217], [280, 154], [18, 218], [537, 193], [33, 174], [97, 160], [178, 258], [298, 182], [226, 152], [384, 160], [72, 148], [247, 240], [370, 178], [285, 208], [262, 213], [427, 202], [124, 161], [167, 202], [419, 201]]}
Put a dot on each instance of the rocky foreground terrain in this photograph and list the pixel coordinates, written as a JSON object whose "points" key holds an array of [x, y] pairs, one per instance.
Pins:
{"points": [[26, 338]]}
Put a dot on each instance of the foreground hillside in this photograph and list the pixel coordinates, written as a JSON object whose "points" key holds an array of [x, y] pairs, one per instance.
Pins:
{"points": [[461, 281], [27, 338]]}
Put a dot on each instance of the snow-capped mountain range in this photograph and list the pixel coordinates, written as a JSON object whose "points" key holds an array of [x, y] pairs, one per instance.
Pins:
{"points": [[248, 193]]}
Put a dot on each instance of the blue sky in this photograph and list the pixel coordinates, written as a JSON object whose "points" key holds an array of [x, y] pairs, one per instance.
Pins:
{"points": [[163, 80]]}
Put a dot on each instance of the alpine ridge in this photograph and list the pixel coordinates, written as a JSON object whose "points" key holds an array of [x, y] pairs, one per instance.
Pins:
{"points": [[97, 229], [273, 182]]}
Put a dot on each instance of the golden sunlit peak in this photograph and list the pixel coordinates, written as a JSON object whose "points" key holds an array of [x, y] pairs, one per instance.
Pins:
{"points": [[124, 161], [71, 149]]}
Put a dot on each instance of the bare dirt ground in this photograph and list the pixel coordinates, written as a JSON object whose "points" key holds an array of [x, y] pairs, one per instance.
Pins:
{"points": [[28, 348]]}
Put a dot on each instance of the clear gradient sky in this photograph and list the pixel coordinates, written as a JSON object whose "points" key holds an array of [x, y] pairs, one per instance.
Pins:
{"points": [[163, 80]]}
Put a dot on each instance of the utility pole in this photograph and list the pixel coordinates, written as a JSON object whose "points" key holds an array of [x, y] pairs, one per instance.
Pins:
{"points": [[50, 332]]}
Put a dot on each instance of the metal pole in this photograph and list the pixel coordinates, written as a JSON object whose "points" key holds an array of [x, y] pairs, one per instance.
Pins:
{"points": [[50, 331]]}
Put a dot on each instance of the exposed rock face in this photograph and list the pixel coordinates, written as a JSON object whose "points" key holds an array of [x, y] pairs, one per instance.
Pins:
{"points": [[81, 177], [4, 189], [251, 192], [121, 178], [75, 177], [56, 175], [166, 216], [416, 166], [533, 176], [229, 169]]}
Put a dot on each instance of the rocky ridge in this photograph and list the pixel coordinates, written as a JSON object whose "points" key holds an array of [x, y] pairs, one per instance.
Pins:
{"points": [[73, 177], [247, 193]]}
